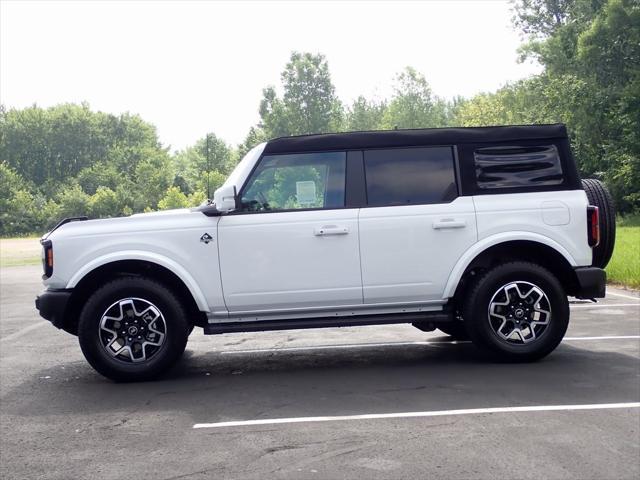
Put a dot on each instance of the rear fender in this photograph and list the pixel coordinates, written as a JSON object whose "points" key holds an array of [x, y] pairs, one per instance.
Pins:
{"points": [[465, 260]]}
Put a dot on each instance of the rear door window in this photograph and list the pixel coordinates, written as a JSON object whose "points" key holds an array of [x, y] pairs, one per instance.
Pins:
{"points": [[517, 166], [410, 176]]}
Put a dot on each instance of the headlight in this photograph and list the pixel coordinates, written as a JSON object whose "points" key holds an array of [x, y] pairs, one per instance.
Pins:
{"points": [[47, 258]]}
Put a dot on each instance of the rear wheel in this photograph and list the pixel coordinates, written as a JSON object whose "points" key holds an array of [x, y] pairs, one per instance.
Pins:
{"points": [[517, 311], [600, 197], [133, 329]]}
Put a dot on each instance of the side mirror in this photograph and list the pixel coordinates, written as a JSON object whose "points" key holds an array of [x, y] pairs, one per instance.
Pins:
{"points": [[224, 198]]}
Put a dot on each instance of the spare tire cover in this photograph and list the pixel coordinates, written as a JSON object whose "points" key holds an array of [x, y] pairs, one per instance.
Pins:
{"points": [[600, 197]]}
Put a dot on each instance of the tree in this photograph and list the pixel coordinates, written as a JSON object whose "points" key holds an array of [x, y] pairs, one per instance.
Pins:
{"points": [[152, 176], [255, 136], [591, 54], [608, 55], [104, 203], [413, 105], [74, 202], [50, 145], [365, 115], [541, 18], [309, 103], [173, 198], [194, 170]]}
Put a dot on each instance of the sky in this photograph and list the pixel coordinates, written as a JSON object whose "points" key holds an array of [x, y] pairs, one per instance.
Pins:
{"points": [[194, 67]]}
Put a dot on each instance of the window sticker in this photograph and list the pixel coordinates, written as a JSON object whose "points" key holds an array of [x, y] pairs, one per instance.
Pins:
{"points": [[306, 192]]}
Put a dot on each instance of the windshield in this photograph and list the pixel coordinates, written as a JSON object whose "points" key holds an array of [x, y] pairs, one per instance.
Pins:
{"points": [[242, 170]]}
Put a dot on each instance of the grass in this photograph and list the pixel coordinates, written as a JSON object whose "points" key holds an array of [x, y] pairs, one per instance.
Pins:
{"points": [[624, 267], [16, 252]]}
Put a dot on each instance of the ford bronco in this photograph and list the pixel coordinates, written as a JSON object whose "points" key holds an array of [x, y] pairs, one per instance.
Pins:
{"points": [[480, 232]]}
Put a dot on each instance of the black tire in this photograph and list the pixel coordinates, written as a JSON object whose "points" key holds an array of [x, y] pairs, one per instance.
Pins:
{"points": [[455, 329], [116, 296], [600, 197], [481, 326]]}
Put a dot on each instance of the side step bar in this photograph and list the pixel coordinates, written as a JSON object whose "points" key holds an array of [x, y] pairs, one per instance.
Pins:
{"points": [[425, 321]]}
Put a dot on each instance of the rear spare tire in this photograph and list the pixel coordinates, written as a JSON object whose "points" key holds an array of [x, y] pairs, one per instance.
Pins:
{"points": [[600, 197]]}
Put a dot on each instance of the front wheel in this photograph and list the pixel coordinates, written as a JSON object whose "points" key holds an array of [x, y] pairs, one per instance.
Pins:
{"points": [[517, 311], [132, 329]]}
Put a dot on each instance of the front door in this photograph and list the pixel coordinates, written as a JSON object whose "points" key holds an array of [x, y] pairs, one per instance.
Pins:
{"points": [[292, 244]]}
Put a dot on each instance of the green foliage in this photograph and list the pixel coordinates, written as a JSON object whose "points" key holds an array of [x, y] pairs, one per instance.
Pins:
{"points": [[413, 104], [193, 169], [541, 17], [74, 202], [624, 267], [99, 175], [591, 53], [153, 175], [20, 210], [365, 115], [68, 160], [173, 198], [104, 203], [255, 136], [309, 103], [51, 145]]}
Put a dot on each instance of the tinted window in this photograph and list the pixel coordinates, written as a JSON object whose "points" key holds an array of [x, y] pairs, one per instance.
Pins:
{"points": [[289, 182], [516, 166], [403, 176]]}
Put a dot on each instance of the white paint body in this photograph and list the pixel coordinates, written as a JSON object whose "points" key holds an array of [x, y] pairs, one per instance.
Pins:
{"points": [[293, 264]]}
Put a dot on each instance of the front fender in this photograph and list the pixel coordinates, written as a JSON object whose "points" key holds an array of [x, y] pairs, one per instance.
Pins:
{"points": [[468, 256], [151, 257]]}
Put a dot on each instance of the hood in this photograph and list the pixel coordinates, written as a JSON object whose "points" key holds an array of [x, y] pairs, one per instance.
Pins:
{"points": [[139, 222]]}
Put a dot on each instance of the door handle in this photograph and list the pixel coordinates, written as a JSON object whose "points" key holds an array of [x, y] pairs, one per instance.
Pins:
{"points": [[330, 230], [449, 223]]}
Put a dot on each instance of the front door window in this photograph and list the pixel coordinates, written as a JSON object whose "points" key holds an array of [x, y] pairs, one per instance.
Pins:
{"points": [[296, 181]]}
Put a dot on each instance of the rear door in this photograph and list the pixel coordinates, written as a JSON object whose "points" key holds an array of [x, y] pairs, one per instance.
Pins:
{"points": [[415, 226], [293, 245]]}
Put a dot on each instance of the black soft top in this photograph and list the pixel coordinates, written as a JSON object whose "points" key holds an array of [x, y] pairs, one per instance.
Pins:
{"points": [[413, 137]]}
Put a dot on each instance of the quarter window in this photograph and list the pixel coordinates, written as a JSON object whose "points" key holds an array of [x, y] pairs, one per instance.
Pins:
{"points": [[296, 181], [405, 176], [517, 166]]}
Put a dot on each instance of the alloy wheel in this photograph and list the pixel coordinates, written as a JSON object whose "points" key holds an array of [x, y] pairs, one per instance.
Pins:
{"points": [[132, 330], [519, 312]]}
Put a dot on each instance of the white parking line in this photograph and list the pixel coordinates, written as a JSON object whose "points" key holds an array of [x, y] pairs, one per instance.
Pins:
{"points": [[606, 305], [399, 344], [438, 413], [611, 337], [25, 330], [623, 295]]}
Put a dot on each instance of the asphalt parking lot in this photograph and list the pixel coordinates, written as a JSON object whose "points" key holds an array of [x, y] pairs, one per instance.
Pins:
{"points": [[60, 419]]}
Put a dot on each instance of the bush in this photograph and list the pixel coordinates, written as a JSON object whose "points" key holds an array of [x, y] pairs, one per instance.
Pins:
{"points": [[104, 203], [173, 198], [74, 202]]}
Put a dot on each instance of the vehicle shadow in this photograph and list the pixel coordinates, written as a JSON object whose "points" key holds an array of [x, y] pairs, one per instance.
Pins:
{"points": [[207, 387]]}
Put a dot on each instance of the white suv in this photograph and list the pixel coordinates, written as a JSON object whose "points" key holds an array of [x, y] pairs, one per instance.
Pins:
{"points": [[475, 231]]}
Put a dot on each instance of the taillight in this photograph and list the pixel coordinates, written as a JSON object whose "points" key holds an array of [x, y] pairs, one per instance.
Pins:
{"points": [[593, 225], [47, 258]]}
